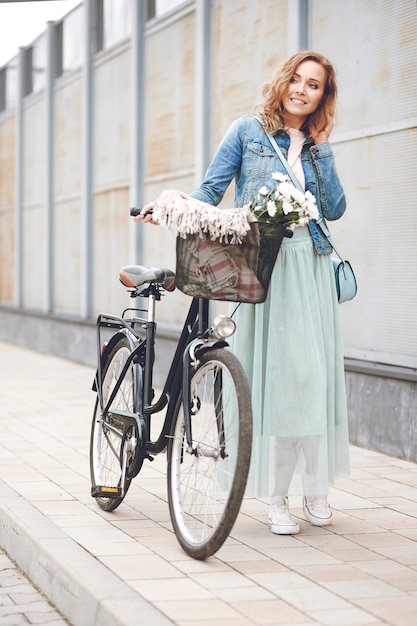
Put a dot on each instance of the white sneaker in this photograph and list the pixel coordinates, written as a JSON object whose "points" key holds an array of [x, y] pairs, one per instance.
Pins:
{"points": [[317, 510], [279, 518]]}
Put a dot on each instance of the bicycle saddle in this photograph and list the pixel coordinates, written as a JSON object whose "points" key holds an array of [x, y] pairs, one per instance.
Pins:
{"points": [[136, 275]]}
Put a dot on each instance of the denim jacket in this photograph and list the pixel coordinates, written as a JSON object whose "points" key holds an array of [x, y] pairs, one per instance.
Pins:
{"points": [[246, 155]]}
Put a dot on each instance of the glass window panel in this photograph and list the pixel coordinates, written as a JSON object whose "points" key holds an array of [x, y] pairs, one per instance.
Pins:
{"points": [[98, 26], [164, 6], [2, 89], [73, 40], [11, 84], [39, 64], [157, 8], [27, 71], [117, 18], [58, 44]]}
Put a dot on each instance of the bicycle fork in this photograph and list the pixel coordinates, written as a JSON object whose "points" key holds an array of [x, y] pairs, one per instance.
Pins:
{"points": [[190, 404]]}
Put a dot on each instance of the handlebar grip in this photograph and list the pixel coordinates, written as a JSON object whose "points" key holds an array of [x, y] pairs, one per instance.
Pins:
{"points": [[135, 211]]}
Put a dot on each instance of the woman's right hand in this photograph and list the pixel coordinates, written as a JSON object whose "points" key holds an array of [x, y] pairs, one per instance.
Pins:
{"points": [[146, 214]]}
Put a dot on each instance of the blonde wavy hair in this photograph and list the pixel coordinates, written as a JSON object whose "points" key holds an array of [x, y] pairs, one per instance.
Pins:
{"points": [[272, 109]]}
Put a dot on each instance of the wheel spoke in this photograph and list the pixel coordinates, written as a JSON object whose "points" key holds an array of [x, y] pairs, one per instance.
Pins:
{"points": [[107, 436], [205, 487]]}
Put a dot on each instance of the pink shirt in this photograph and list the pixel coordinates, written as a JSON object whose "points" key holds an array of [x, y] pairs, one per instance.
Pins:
{"points": [[297, 138]]}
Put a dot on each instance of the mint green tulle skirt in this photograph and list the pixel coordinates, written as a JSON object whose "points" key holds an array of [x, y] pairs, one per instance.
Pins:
{"points": [[291, 349]]}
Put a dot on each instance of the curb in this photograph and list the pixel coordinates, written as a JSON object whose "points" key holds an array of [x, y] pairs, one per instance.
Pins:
{"points": [[80, 587]]}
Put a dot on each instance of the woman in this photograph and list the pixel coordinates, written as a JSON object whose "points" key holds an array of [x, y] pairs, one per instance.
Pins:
{"points": [[294, 358]]}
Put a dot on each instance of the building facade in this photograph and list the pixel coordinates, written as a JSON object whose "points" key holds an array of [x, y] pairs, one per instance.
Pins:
{"points": [[124, 98]]}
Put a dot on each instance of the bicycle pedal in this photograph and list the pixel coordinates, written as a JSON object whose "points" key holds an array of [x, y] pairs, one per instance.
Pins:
{"points": [[106, 492]]}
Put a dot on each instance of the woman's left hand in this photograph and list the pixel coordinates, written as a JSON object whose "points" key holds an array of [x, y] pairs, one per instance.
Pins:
{"points": [[322, 136]]}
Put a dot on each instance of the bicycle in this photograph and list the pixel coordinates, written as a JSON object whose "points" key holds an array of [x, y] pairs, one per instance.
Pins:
{"points": [[207, 430]]}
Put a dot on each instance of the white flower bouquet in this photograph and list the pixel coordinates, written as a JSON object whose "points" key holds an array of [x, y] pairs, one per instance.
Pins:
{"points": [[283, 207]]}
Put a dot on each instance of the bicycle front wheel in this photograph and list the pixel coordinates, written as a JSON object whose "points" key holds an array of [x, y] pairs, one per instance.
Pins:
{"points": [[113, 445], [206, 481]]}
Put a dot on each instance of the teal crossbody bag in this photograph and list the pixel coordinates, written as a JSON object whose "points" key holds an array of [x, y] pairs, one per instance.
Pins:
{"points": [[346, 286]]}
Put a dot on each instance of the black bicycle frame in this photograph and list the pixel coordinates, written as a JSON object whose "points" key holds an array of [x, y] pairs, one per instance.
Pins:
{"points": [[196, 325], [142, 354]]}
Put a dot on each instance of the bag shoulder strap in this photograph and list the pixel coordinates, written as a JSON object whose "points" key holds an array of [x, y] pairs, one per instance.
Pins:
{"points": [[323, 226], [280, 155], [320, 222]]}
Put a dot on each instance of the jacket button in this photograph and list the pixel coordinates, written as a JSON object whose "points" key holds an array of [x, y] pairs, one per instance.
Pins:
{"points": [[261, 150], [281, 133], [314, 151]]}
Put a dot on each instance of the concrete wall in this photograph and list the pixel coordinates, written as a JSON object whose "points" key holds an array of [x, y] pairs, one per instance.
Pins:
{"points": [[383, 413]]}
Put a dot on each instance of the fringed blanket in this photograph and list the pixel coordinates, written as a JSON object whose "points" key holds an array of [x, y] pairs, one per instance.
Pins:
{"points": [[185, 215]]}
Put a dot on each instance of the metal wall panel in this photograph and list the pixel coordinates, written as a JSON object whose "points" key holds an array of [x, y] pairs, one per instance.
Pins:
{"points": [[7, 162], [7, 256], [112, 97], [111, 176], [34, 160], [111, 221], [169, 140], [110, 249], [373, 45], [250, 40], [33, 257], [67, 261], [34, 157], [379, 234], [68, 139], [67, 196], [170, 98], [7, 209]]}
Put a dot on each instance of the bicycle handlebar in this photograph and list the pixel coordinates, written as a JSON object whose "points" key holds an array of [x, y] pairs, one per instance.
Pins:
{"points": [[135, 211]]}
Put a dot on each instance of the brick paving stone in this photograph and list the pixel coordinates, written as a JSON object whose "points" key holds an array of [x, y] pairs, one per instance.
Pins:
{"points": [[21, 602], [360, 571]]}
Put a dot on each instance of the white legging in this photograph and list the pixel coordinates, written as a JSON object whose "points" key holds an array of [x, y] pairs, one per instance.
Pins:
{"points": [[304, 452]]}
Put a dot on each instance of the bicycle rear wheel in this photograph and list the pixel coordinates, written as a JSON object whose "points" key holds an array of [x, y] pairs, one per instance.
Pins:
{"points": [[206, 484], [112, 441]]}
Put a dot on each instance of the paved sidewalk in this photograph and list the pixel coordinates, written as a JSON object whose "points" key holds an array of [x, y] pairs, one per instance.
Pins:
{"points": [[126, 567], [20, 601]]}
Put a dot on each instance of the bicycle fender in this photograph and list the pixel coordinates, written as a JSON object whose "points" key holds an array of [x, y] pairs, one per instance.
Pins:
{"points": [[210, 345], [107, 351]]}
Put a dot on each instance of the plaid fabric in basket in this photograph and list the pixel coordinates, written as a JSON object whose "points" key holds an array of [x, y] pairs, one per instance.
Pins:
{"points": [[219, 270]]}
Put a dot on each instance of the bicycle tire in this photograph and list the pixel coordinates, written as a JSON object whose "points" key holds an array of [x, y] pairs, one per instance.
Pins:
{"points": [[108, 437], [206, 487]]}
